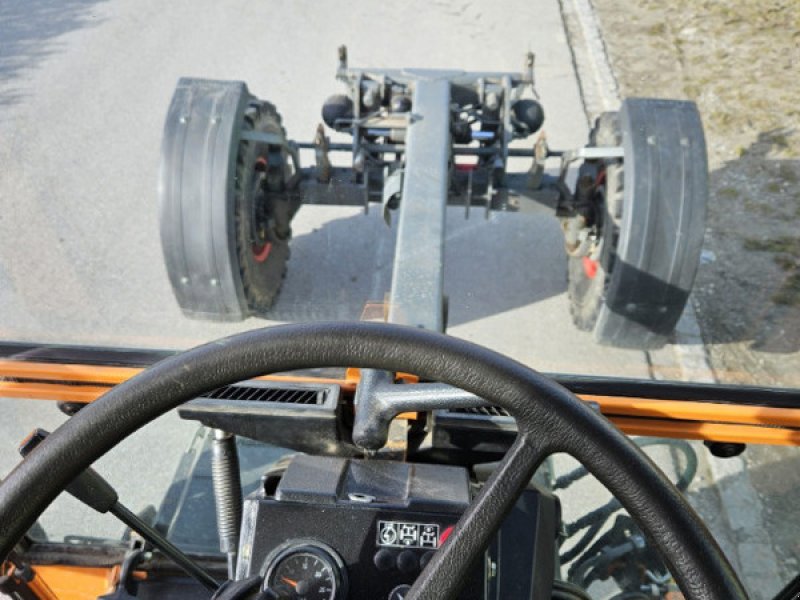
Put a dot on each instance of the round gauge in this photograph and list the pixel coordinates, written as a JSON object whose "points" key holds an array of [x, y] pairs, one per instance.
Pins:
{"points": [[306, 571]]}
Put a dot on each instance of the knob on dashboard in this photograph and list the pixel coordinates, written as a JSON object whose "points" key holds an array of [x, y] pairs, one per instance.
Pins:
{"points": [[399, 593], [384, 559], [407, 562]]}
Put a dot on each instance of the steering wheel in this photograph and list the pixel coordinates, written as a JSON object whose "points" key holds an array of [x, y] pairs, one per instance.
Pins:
{"points": [[549, 419]]}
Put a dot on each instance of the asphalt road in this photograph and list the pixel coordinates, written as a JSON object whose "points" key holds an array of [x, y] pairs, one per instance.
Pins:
{"points": [[84, 88]]}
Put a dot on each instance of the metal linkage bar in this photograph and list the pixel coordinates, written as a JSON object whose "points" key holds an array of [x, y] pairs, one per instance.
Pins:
{"points": [[418, 278], [382, 400], [412, 75], [592, 153], [585, 153]]}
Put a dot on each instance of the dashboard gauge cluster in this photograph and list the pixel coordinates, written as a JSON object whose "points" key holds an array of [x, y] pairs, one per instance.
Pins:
{"points": [[306, 570]]}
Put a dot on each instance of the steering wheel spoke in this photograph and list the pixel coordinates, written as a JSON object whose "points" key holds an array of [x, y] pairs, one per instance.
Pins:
{"points": [[442, 577]]}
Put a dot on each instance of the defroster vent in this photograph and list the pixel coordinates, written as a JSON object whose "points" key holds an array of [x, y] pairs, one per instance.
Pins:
{"points": [[484, 411], [284, 395]]}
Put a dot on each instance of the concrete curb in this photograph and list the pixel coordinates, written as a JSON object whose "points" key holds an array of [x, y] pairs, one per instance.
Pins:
{"points": [[596, 77]]}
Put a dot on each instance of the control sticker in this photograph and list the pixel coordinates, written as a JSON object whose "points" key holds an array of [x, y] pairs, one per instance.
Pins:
{"points": [[399, 534]]}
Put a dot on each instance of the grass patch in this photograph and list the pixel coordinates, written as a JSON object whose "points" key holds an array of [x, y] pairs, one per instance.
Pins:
{"points": [[789, 294], [692, 91], [728, 193], [787, 257], [784, 245], [787, 173], [786, 263], [766, 210], [781, 140], [722, 118]]}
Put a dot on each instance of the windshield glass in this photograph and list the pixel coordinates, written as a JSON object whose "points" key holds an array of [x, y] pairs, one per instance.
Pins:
{"points": [[87, 244], [587, 190]]}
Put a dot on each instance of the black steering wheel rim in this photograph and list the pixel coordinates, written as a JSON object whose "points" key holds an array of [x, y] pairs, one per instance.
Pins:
{"points": [[550, 419]]}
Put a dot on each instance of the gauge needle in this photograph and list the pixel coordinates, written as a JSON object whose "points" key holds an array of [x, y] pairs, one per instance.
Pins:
{"points": [[289, 581]]}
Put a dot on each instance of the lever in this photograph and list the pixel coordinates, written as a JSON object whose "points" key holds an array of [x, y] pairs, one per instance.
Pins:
{"points": [[90, 488]]}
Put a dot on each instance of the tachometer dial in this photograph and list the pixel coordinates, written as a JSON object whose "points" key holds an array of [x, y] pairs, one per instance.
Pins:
{"points": [[306, 571]]}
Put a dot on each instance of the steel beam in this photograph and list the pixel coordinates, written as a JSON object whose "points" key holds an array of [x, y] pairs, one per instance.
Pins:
{"points": [[417, 281]]}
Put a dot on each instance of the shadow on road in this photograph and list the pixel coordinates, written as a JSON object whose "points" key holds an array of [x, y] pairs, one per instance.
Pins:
{"points": [[748, 289], [491, 266], [28, 35]]}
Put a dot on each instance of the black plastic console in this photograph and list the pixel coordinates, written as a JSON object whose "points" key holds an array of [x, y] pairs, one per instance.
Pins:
{"points": [[377, 523]]}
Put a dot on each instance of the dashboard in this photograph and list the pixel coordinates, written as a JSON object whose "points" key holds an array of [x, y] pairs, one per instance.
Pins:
{"points": [[334, 528]]}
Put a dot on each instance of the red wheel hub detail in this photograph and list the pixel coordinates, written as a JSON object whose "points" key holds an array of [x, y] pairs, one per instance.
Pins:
{"points": [[590, 267], [601, 178], [260, 253]]}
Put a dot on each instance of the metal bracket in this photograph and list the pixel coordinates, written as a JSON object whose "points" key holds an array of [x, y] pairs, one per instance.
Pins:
{"points": [[392, 188], [540, 153], [321, 146], [588, 153], [379, 401], [272, 139]]}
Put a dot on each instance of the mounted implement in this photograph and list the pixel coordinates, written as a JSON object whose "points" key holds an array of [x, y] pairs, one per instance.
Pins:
{"points": [[422, 140]]}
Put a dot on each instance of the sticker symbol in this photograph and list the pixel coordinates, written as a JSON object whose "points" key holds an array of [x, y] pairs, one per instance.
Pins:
{"points": [[429, 536], [388, 533], [408, 534]]}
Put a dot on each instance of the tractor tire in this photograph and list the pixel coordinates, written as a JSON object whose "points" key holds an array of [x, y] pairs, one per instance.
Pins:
{"points": [[590, 269], [226, 200], [631, 284], [262, 210]]}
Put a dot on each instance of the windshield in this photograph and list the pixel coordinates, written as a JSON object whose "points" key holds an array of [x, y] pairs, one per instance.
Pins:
{"points": [[588, 190], [85, 94]]}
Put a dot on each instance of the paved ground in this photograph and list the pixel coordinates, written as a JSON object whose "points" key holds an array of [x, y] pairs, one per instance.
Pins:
{"points": [[84, 104], [84, 90], [84, 87]]}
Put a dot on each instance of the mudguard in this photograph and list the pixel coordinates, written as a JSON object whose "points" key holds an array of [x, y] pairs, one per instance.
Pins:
{"points": [[663, 222], [196, 184]]}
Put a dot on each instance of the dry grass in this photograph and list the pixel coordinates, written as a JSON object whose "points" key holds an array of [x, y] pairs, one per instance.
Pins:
{"points": [[739, 60]]}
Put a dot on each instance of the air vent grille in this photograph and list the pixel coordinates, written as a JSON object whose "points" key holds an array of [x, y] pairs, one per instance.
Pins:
{"points": [[484, 411], [282, 395]]}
